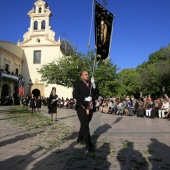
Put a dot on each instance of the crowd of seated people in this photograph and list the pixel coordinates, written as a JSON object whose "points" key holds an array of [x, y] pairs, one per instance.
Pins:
{"points": [[66, 104], [142, 107]]}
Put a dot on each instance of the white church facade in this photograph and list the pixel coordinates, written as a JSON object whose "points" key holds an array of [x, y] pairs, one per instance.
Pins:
{"points": [[39, 48]]}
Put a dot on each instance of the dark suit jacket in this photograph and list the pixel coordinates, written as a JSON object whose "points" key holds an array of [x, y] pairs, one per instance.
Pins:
{"points": [[151, 105], [81, 91]]}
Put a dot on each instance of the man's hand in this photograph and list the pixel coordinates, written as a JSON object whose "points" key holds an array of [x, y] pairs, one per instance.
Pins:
{"points": [[88, 99], [92, 80]]}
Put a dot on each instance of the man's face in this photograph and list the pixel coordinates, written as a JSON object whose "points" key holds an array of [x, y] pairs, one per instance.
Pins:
{"points": [[85, 76]]}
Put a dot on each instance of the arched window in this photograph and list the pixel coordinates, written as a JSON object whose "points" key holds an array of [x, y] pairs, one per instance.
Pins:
{"points": [[35, 25], [40, 10], [43, 25]]}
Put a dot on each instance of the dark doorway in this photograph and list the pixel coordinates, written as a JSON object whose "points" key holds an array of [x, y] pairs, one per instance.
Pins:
{"points": [[5, 90], [36, 92]]}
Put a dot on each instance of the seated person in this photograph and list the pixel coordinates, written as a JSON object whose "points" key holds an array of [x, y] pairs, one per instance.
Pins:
{"points": [[150, 108], [120, 107], [164, 108], [140, 112], [168, 113], [110, 106], [97, 105], [129, 108]]}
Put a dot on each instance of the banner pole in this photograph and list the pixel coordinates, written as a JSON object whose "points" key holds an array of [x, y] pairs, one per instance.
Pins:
{"points": [[95, 57]]}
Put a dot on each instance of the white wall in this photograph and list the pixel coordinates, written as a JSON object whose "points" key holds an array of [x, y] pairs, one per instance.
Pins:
{"points": [[48, 54]]}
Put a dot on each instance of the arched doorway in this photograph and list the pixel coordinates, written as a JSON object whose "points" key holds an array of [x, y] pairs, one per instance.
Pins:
{"points": [[5, 90], [36, 93]]}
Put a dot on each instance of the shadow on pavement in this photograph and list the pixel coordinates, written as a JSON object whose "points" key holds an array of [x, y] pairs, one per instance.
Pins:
{"points": [[66, 117], [99, 131], [18, 138], [118, 120], [103, 129], [19, 162], [129, 158], [160, 154], [75, 157], [7, 118]]}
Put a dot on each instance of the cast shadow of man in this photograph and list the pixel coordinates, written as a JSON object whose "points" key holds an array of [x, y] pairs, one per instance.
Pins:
{"points": [[129, 158], [102, 130], [74, 156], [160, 155]]}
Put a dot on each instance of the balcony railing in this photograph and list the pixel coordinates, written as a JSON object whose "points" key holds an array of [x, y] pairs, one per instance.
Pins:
{"points": [[11, 76]]}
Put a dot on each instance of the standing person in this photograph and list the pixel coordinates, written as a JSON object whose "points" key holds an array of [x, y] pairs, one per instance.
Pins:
{"points": [[23, 101], [27, 102], [85, 105], [53, 99], [33, 103], [38, 104]]}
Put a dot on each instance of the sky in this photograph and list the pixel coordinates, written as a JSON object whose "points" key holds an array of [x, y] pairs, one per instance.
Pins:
{"points": [[140, 27]]}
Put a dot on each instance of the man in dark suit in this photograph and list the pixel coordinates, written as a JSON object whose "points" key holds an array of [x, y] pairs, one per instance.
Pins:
{"points": [[85, 106]]}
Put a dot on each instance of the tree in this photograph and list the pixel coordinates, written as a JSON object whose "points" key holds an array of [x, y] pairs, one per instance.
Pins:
{"points": [[65, 71], [105, 77], [155, 73], [129, 82]]}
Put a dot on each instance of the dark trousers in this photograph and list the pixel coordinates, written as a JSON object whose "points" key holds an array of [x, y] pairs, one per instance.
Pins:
{"points": [[84, 133]]}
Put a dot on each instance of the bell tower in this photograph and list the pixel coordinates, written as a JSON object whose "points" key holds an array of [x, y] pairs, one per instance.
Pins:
{"points": [[39, 22], [40, 48]]}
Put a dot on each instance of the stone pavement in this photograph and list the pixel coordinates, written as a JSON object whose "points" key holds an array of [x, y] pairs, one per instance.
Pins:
{"points": [[122, 143]]}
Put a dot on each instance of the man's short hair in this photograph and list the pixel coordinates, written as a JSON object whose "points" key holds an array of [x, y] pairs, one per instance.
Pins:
{"points": [[82, 72]]}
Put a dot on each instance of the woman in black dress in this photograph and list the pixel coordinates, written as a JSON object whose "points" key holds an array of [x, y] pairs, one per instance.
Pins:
{"points": [[53, 99], [27, 101], [33, 103], [38, 104]]}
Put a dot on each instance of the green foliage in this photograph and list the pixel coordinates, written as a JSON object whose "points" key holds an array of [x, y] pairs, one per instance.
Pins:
{"points": [[155, 73], [150, 77], [129, 82], [66, 71], [105, 77]]}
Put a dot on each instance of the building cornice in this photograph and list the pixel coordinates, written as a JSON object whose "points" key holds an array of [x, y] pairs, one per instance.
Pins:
{"points": [[38, 45], [10, 55], [55, 43]]}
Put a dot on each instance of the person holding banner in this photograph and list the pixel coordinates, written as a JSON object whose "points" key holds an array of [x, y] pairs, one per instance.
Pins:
{"points": [[84, 94]]}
